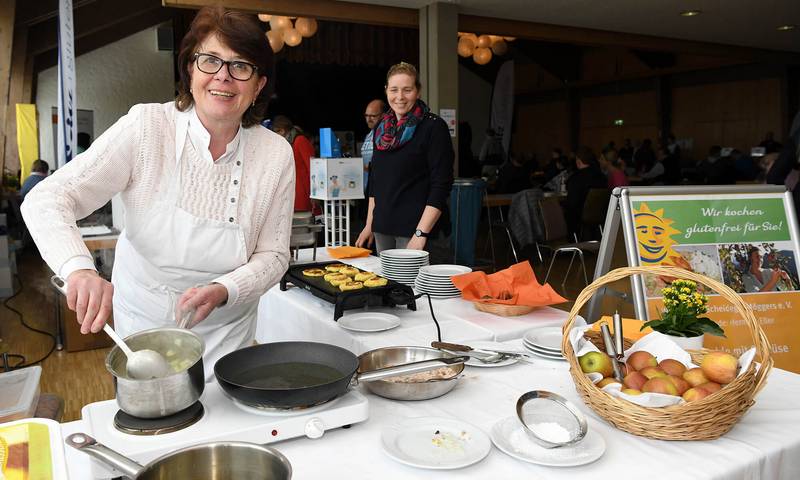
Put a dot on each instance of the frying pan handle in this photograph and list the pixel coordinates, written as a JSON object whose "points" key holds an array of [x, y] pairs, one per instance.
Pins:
{"points": [[409, 368], [89, 446], [60, 284]]}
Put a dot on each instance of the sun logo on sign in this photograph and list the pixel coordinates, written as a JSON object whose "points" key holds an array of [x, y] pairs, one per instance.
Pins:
{"points": [[653, 233]]}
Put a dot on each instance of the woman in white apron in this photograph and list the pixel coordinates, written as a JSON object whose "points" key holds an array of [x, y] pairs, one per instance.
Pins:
{"points": [[208, 196]]}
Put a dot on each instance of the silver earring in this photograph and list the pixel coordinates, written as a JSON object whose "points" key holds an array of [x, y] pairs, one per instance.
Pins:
{"points": [[190, 90]]}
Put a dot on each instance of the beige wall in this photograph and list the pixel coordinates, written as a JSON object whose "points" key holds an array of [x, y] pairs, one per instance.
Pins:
{"points": [[109, 81], [731, 114]]}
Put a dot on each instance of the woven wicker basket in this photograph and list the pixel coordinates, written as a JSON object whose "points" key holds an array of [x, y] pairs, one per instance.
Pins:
{"points": [[503, 310], [703, 419]]}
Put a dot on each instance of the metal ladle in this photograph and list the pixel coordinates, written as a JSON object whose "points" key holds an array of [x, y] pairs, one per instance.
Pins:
{"points": [[142, 364]]}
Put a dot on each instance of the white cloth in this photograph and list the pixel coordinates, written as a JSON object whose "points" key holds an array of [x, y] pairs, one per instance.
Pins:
{"points": [[297, 315], [765, 444], [136, 157], [172, 250]]}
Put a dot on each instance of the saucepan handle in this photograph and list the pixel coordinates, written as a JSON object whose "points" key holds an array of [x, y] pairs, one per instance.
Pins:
{"points": [[409, 368], [89, 446], [59, 283]]}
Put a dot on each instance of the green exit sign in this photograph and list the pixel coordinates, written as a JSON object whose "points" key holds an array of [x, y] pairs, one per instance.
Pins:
{"points": [[619, 122]]}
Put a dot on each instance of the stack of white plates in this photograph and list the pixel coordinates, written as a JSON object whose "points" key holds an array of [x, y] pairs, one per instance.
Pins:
{"points": [[435, 280], [544, 342], [402, 264]]}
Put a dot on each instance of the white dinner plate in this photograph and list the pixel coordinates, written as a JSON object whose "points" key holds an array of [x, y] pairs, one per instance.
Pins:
{"points": [[369, 321], [444, 270], [509, 436], [548, 356], [404, 253], [541, 348], [478, 345], [436, 288], [545, 338], [436, 443]]}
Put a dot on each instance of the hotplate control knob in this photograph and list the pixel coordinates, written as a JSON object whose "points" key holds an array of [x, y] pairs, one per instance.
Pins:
{"points": [[315, 428]]}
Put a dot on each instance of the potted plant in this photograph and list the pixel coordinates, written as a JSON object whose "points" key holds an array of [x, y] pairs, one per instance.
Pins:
{"points": [[682, 316]]}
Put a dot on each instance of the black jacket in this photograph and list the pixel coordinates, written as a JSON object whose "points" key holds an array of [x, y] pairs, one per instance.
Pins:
{"points": [[403, 181]]}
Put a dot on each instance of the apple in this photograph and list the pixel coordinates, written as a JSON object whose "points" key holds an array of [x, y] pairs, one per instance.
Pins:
{"points": [[660, 385], [672, 367], [641, 359], [597, 362], [631, 391], [720, 367], [680, 384], [606, 381], [634, 381], [695, 393], [652, 372], [711, 387], [694, 376]]}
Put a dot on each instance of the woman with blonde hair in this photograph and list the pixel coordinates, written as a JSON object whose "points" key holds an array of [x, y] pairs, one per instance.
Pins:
{"points": [[412, 168]]}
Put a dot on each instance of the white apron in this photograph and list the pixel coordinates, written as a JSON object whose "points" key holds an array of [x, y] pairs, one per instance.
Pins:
{"points": [[157, 258]]}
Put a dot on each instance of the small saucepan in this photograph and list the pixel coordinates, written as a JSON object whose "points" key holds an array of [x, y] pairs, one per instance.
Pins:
{"points": [[409, 388], [207, 461], [303, 374]]}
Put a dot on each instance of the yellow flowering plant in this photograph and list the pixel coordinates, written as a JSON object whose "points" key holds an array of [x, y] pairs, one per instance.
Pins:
{"points": [[683, 307]]}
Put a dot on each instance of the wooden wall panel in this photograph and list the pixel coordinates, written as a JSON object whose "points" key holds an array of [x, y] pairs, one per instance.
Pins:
{"points": [[730, 114], [637, 110], [530, 77], [539, 128]]}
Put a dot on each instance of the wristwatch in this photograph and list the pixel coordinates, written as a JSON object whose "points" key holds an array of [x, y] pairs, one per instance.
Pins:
{"points": [[420, 233]]}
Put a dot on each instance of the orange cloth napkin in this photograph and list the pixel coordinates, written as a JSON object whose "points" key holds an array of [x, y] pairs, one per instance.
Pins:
{"points": [[630, 327], [516, 285], [348, 252]]}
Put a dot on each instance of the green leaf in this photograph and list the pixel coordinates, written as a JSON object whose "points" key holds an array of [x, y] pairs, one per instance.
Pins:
{"points": [[710, 327]]}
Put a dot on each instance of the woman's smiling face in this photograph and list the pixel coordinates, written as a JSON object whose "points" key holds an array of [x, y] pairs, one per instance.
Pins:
{"points": [[218, 97], [402, 93]]}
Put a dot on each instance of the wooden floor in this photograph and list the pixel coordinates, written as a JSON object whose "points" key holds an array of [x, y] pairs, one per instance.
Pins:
{"points": [[81, 378]]}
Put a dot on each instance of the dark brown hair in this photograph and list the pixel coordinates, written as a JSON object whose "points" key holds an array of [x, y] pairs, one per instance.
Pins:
{"points": [[406, 68], [238, 31]]}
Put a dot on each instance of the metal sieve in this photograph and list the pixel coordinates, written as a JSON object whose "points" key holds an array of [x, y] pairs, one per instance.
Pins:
{"points": [[550, 420]]}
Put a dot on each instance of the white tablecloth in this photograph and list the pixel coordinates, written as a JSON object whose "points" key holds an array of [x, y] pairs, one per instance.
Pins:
{"points": [[297, 315], [765, 444]]}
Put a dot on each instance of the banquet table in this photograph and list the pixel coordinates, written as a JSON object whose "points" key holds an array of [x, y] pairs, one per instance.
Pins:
{"points": [[296, 314], [765, 444]]}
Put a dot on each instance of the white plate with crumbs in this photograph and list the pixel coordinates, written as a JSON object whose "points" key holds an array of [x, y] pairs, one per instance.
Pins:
{"points": [[435, 443], [369, 322], [510, 437]]}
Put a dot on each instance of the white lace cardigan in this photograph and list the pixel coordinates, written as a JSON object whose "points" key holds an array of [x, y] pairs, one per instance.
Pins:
{"points": [[135, 157]]}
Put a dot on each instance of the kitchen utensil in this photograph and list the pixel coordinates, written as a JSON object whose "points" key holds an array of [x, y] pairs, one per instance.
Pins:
{"points": [[550, 420], [302, 374], [510, 437], [142, 364], [619, 346], [479, 356], [609, 344], [456, 347], [435, 442], [390, 356], [164, 396], [207, 461]]}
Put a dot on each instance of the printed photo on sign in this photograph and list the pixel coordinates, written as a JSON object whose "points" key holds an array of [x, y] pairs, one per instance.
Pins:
{"points": [[759, 267], [702, 259]]}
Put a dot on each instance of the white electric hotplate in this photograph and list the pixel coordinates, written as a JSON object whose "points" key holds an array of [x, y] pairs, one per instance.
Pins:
{"points": [[223, 420]]}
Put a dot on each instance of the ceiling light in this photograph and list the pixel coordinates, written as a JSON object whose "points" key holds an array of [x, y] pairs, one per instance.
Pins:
{"points": [[691, 13], [786, 28]]}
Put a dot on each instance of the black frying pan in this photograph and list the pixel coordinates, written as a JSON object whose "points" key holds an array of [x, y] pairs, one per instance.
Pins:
{"points": [[301, 374]]}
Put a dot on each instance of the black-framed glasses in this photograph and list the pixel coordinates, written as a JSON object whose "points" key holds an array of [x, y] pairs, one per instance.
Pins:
{"points": [[212, 64]]}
